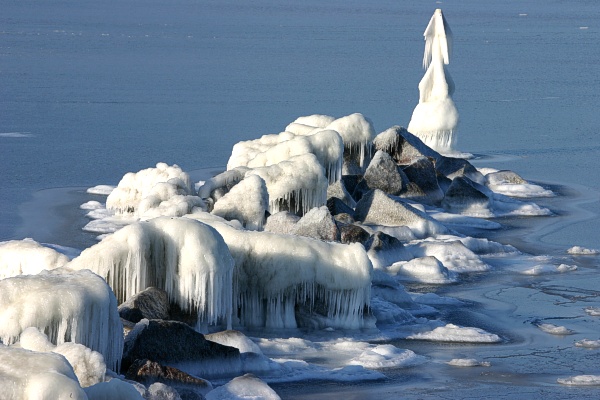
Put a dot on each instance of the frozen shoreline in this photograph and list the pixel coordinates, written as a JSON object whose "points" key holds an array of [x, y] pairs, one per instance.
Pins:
{"points": [[498, 301]]}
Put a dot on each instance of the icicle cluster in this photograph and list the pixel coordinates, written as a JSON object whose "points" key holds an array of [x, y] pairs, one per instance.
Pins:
{"points": [[435, 118], [68, 306], [274, 273], [188, 259], [299, 183]]}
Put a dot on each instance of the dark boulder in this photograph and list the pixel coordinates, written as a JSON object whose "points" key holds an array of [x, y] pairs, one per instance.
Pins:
{"points": [[151, 303]]}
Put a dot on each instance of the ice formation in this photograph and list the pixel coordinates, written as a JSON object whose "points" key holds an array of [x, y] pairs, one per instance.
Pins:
{"points": [[115, 389], [275, 273], [467, 362], [435, 118], [454, 333], [386, 356], [247, 202], [297, 184], [243, 387], [27, 257], [426, 270], [26, 374], [88, 365], [582, 251], [555, 329], [580, 380], [69, 306], [134, 187], [357, 133], [186, 258]]}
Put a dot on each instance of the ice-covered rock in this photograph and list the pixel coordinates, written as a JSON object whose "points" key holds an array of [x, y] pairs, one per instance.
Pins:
{"points": [[352, 233], [149, 372], [175, 344], [150, 303], [314, 120], [357, 133], [169, 199], [242, 388], [26, 374], [295, 185], [426, 269], [435, 118], [216, 187], [403, 146], [282, 222], [134, 187], [248, 201], [186, 258], [378, 208], [455, 333], [28, 257], [383, 174], [453, 254], [274, 273], [115, 389], [70, 306], [451, 168], [235, 339]]}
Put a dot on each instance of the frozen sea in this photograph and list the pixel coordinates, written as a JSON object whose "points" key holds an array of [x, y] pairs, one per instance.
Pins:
{"points": [[91, 90]]}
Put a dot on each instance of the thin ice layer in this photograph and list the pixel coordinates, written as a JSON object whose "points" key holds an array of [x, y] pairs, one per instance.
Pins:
{"points": [[69, 306], [186, 258], [275, 273]]}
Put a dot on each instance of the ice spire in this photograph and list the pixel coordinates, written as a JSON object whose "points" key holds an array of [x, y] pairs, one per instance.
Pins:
{"points": [[435, 118]]}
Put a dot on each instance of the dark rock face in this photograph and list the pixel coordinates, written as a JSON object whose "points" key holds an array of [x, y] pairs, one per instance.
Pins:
{"points": [[403, 146], [175, 343], [463, 194], [151, 303], [383, 174], [453, 167], [148, 372], [423, 175], [350, 182], [338, 190], [353, 234], [337, 206], [380, 241]]}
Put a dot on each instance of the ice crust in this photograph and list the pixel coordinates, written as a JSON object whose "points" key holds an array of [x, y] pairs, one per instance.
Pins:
{"points": [[455, 333], [186, 258], [69, 306], [248, 201]]}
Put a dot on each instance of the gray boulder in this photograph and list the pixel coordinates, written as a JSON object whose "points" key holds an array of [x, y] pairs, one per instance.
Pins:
{"points": [[318, 224], [351, 233], [383, 174], [378, 208], [337, 206], [463, 194], [452, 167], [151, 303], [422, 174], [403, 146], [338, 190], [505, 177], [175, 344]]}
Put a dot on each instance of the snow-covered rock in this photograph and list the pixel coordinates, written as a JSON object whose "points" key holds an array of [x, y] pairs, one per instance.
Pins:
{"points": [[28, 257], [248, 201]]}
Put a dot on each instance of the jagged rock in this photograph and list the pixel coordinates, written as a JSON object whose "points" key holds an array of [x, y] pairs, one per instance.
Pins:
{"points": [[318, 224], [360, 189], [378, 208], [353, 234], [462, 195], [403, 146], [344, 218], [337, 206], [151, 303], [452, 167], [338, 190], [422, 173], [175, 344], [282, 222], [382, 241], [383, 174], [149, 372], [504, 177]]}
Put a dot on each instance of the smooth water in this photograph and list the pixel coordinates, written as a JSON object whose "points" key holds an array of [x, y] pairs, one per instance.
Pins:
{"points": [[91, 90]]}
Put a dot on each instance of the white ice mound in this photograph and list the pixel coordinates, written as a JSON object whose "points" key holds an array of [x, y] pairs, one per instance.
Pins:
{"points": [[169, 199], [455, 333], [244, 387], [27, 257], [26, 374], [435, 118], [357, 133], [134, 187], [582, 251], [580, 380], [386, 356], [187, 259], [510, 184], [426, 270], [275, 274], [297, 184], [247, 202], [468, 362], [69, 306], [88, 365]]}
